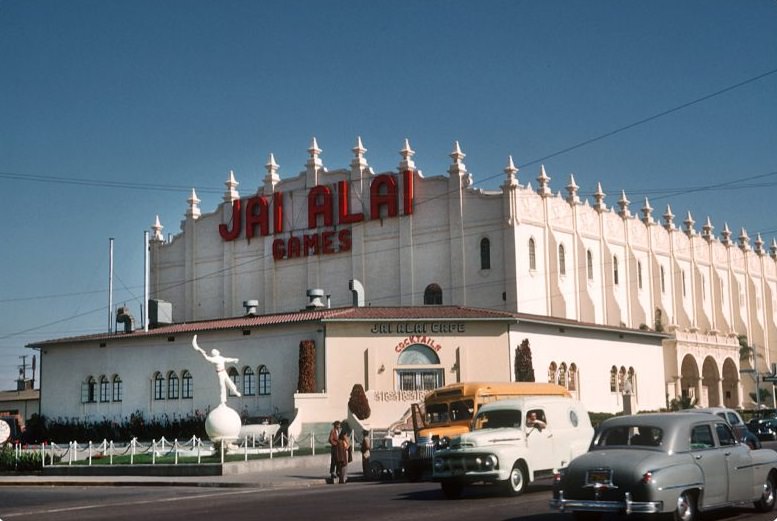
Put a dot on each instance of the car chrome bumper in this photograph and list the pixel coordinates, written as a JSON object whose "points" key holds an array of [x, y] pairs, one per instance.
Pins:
{"points": [[626, 506]]}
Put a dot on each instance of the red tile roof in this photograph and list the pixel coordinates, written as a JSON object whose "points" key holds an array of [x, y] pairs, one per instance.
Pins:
{"points": [[296, 317], [349, 314]]}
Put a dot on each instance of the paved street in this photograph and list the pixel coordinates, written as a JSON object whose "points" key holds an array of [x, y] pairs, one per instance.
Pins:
{"points": [[390, 501], [296, 491]]}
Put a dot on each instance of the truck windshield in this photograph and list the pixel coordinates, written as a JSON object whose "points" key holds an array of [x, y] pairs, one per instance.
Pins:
{"points": [[496, 419]]}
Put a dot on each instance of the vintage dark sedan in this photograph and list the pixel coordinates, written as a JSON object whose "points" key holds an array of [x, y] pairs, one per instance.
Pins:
{"points": [[676, 463], [765, 430]]}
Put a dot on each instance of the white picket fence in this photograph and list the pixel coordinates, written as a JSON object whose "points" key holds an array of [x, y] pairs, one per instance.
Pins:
{"points": [[74, 453]]}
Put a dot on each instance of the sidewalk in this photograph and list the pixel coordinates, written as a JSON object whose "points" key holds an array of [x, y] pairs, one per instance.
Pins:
{"points": [[297, 472]]}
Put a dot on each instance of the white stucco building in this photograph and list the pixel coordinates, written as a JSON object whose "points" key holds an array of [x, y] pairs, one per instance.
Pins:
{"points": [[609, 291]]}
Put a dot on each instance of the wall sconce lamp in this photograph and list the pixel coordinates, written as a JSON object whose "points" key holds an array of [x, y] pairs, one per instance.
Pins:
{"points": [[455, 367], [381, 369]]}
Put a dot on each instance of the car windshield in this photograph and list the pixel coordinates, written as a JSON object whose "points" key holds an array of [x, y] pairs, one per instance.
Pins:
{"points": [[498, 418], [630, 435]]}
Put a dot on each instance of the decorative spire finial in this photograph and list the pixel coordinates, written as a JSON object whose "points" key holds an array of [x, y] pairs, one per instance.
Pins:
{"points": [[271, 178], [510, 171], [706, 230], [623, 203], [359, 150], [458, 168], [542, 183], [157, 229], [759, 245], [231, 194], [194, 206], [647, 213], [744, 240], [689, 222], [668, 218], [572, 188], [599, 196], [725, 235], [407, 154]]}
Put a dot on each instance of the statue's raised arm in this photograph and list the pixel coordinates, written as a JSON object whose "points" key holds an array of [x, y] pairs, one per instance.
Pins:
{"points": [[197, 347]]}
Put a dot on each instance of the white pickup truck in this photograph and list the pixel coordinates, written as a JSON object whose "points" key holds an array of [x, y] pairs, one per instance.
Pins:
{"points": [[513, 442]]}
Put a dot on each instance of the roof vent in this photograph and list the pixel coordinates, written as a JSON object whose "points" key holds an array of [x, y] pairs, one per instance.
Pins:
{"points": [[123, 316], [251, 306], [315, 296], [160, 313]]}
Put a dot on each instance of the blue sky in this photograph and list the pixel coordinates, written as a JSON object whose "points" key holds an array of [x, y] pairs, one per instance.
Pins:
{"points": [[111, 111]]}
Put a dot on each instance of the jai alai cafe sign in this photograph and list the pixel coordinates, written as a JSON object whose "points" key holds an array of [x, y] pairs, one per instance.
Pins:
{"points": [[256, 215]]}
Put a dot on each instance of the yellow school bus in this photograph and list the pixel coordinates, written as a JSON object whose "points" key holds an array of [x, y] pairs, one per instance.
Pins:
{"points": [[448, 411]]}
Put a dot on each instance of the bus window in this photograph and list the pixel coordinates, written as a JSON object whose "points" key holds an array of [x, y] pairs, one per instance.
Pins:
{"points": [[437, 413], [462, 410]]}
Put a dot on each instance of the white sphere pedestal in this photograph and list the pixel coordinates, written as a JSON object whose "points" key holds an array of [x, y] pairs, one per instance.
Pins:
{"points": [[223, 424]]}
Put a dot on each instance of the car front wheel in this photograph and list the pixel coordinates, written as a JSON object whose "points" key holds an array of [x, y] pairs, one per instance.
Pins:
{"points": [[685, 510], [766, 502], [515, 484]]}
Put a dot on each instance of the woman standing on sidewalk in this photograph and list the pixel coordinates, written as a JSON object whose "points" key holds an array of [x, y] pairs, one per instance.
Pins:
{"points": [[342, 456]]}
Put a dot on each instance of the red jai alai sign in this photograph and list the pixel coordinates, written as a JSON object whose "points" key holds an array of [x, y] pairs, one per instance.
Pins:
{"points": [[326, 208]]}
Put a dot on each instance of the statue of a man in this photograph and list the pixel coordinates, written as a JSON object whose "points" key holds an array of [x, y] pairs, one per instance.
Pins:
{"points": [[219, 361]]}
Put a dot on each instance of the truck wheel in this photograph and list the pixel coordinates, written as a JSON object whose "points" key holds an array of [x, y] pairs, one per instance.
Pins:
{"points": [[451, 488], [515, 484], [685, 510], [374, 471], [766, 502]]}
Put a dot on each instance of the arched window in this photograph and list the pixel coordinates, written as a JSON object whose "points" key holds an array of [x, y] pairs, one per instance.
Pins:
{"points": [[663, 281], [562, 260], [552, 373], [589, 260], [172, 386], [433, 295], [615, 269], [418, 369], [264, 380], [621, 379], [532, 255], [562, 374], [639, 275], [89, 390], [683, 278], [631, 381], [187, 390], [572, 377], [118, 389], [485, 254], [249, 381], [105, 389], [235, 377], [159, 386], [613, 379]]}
